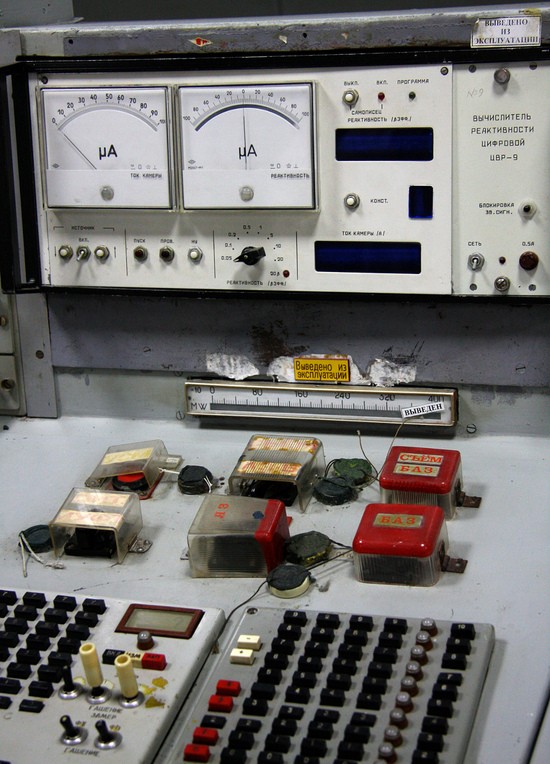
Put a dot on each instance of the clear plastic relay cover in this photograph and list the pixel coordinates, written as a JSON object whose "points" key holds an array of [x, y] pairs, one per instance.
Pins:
{"points": [[96, 523], [149, 457], [237, 536], [285, 459]]}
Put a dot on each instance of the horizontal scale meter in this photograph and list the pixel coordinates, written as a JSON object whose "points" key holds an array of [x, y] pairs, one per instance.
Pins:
{"points": [[279, 400]]}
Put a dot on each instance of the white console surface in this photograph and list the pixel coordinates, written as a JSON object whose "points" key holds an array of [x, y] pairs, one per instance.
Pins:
{"points": [[505, 542]]}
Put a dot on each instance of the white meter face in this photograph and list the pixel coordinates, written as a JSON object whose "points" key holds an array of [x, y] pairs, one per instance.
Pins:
{"points": [[106, 147], [247, 146]]}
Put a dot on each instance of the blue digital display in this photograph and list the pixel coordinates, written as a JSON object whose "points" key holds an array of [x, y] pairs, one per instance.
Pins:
{"points": [[385, 144], [367, 257]]}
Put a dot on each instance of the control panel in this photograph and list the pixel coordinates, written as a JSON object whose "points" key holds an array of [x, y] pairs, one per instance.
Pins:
{"points": [[423, 179], [95, 677]]}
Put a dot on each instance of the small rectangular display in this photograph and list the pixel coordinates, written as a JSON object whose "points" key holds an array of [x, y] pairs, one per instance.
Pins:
{"points": [[367, 257], [385, 144], [160, 620]]}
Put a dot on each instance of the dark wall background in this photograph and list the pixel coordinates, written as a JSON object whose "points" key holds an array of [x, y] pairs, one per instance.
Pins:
{"points": [[141, 10]]}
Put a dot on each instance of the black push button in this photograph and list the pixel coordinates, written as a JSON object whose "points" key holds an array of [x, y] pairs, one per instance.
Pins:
{"points": [[344, 666], [463, 630], [239, 739], [249, 725], [86, 619], [362, 622], [321, 730], [454, 661], [56, 615], [34, 599], [338, 681], [39, 689], [38, 642], [300, 695], [9, 686], [440, 708], [364, 720], [277, 743], [47, 628], [284, 726], [327, 715], [318, 649], [8, 597], [330, 697], [49, 673], [456, 645], [25, 612], [296, 617], [213, 722], [270, 757], [350, 751], [310, 663], [65, 602], [289, 631], [291, 712], [355, 733], [31, 657], [304, 679], [425, 757], [445, 691], [322, 634], [31, 706], [270, 675], [15, 625], [313, 747], [232, 756], [93, 605], [329, 620], [390, 639], [262, 690], [356, 637], [255, 707], [396, 624], [369, 701], [276, 660], [19, 670], [430, 742], [435, 725]]}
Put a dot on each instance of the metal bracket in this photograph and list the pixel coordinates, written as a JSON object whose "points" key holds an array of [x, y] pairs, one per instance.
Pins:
{"points": [[140, 546]]}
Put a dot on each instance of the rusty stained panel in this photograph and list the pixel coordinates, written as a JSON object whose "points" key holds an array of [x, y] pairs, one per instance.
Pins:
{"points": [[457, 342], [436, 28]]}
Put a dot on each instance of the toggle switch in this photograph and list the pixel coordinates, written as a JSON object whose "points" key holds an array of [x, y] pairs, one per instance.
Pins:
{"points": [[72, 733], [129, 688], [106, 739], [93, 673]]}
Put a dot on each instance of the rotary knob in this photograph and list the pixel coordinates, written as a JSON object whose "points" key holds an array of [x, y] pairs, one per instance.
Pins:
{"points": [[251, 255]]}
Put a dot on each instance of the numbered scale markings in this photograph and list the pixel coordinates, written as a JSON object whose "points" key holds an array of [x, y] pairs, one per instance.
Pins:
{"points": [[377, 405]]}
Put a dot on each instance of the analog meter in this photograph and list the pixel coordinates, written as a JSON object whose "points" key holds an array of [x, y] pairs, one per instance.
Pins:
{"points": [[106, 147], [247, 146]]}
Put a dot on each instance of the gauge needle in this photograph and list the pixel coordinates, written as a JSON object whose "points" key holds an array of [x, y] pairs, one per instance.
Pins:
{"points": [[75, 147], [244, 134]]}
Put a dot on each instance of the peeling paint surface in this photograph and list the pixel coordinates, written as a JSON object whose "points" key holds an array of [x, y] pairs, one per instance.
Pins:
{"points": [[230, 366], [385, 373]]}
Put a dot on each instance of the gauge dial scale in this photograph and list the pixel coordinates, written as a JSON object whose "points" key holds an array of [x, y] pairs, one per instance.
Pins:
{"points": [[106, 147], [247, 146]]}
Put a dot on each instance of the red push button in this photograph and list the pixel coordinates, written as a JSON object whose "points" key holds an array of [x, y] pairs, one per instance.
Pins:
{"points": [[193, 752], [155, 661], [228, 687], [222, 703], [205, 735]]}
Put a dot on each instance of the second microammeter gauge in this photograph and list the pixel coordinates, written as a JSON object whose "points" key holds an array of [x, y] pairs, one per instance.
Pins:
{"points": [[330, 403]]}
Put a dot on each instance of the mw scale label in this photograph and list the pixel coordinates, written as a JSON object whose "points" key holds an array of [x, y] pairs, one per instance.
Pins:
{"points": [[276, 400]]}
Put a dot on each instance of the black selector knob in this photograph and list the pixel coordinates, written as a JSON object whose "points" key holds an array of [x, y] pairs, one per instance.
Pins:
{"points": [[250, 255]]}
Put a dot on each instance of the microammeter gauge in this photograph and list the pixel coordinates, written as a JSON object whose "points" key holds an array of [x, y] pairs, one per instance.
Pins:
{"points": [[106, 147], [247, 146], [415, 406]]}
